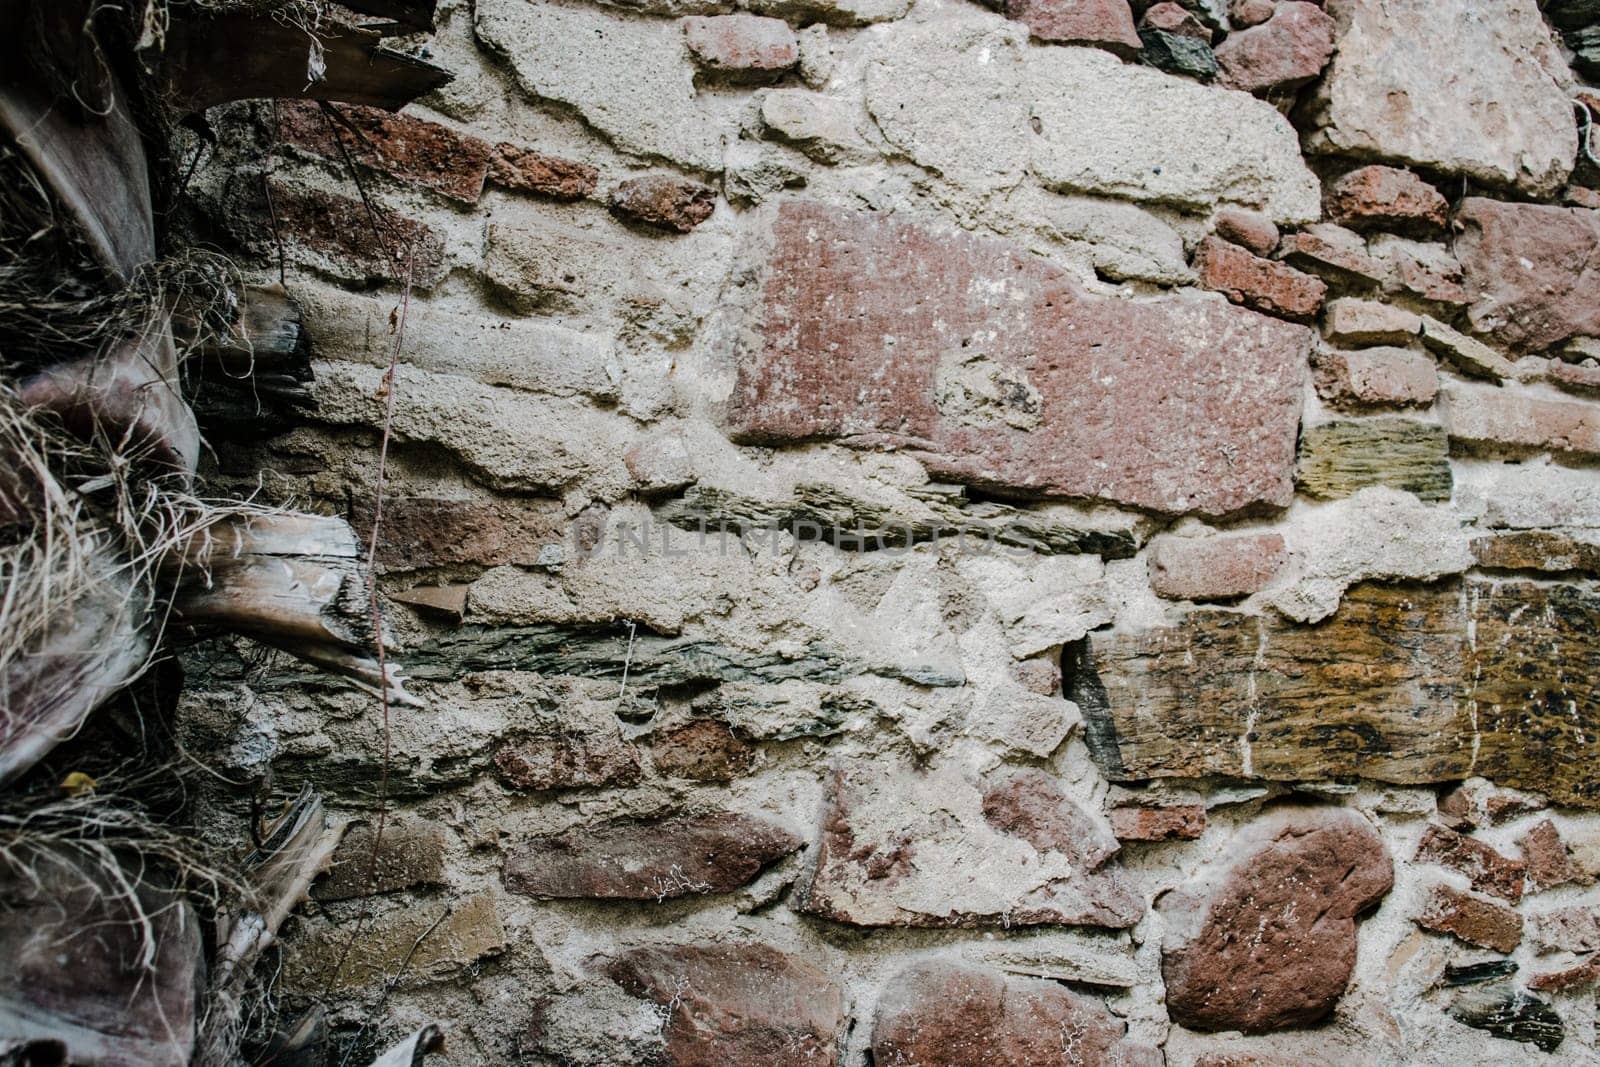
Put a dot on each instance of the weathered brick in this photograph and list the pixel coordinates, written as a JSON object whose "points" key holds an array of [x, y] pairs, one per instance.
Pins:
{"points": [[568, 761], [664, 201], [1138, 822], [1283, 53], [1262, 284], [1339, 459], [1487, 870], [411, 149], [336, 235], [1545, 856], [1487, 419], [1568, 979], [410, 853], [527, 171], [1387, 198], [657, 859], [1474, 919], [745, 46], [1104, 24], [1350, 321], [1469, 356], [1215, 568], [736, 1004], [432, 531], [1248, 229], [1333, 254], [974, 356], [705, 750], [949, 1014], [1574, 928], [1532, 271], [1375, 377]]}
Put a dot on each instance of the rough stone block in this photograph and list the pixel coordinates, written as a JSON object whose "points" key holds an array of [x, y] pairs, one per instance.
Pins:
{"points": [[1159, 138], [1532, 271], [1375, 377], [746, 46], [1574, 928], [1428, 272], [1267, 286], [1248, 229], [403, 946], [823, 127], [1339, 459], [1349, 321], [1545, 856], [1178, 53], [568, 761], [1215, 568], [949, 1014], [902, 847], [1333, 254], [1104, 24], [1469, 356], [1490, 420], [664, 201], [1387, 198], [981, 371], [1174, 18], [432, 531], [410, 853], [1434, 84], [703, 751], [1537, 550], [1281, 54], [736, 1004], [1270, 942], [526, 171], [658, 859]]}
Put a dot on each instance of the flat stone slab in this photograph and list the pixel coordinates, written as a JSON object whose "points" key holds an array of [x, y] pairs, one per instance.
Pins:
{"points": [[1407, 685], [995, 369]]}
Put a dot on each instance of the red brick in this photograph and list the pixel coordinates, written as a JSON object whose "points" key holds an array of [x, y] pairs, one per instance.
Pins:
{"points": [[1248, 229], [1532, 271], [527, 171], [664, 201], [1375, 377], [1474, 919], [411, 149], [1487, 870], [1104, 24], [1584, 974], [996, 369], [742, 45], [1387, 198], [1215, 568], [1267, 286], [1285, 52], [1137, 823], [1490, 419]]}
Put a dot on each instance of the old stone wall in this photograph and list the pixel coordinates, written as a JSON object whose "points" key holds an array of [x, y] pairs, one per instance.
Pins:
{"points": [[926, 535]]}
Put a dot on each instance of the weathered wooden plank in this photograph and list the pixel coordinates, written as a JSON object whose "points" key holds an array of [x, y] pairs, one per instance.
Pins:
{"points": [[1408, 685], [1338, 459], [252, 56]]}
